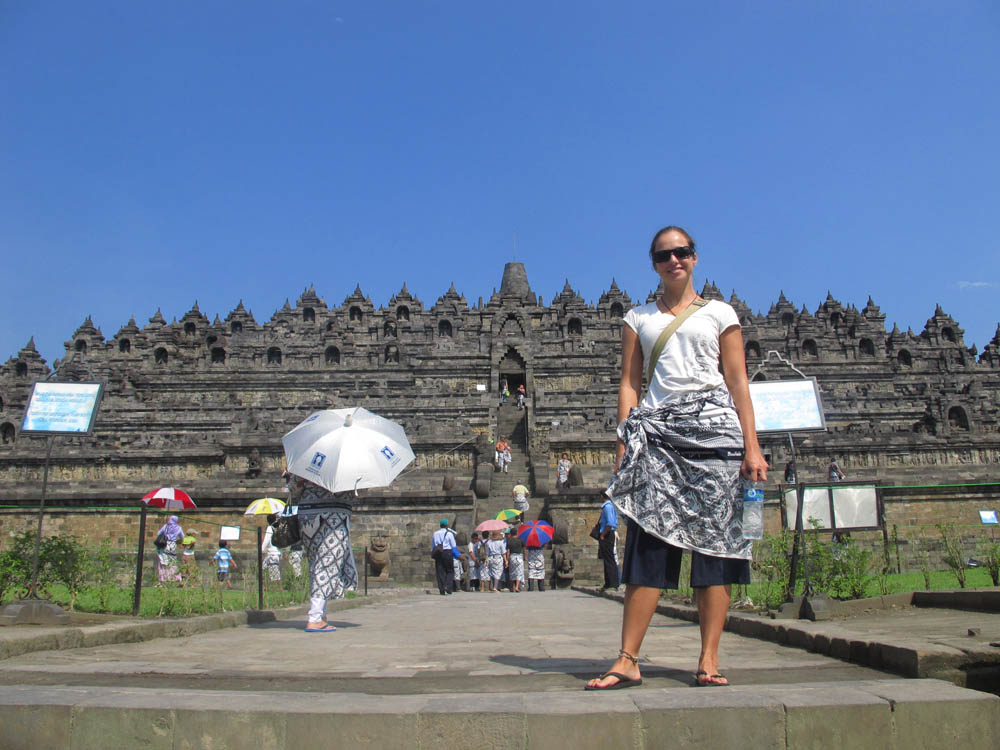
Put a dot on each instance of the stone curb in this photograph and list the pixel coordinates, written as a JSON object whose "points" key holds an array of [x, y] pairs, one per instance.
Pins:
{"points": [[863, 714], [907, 657], [981, 600], [19, 640]]}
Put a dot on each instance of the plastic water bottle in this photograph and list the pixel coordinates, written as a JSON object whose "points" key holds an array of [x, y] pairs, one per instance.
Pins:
{"points": [[753, 510]]}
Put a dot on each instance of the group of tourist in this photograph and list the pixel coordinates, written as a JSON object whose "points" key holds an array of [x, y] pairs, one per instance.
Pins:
{"points": [[505, 393], [494, 561], [181, 566], [833, 472]]}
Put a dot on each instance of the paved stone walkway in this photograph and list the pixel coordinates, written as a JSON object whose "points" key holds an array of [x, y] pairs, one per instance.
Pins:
{"points": [[478, 642], [411, 670]]}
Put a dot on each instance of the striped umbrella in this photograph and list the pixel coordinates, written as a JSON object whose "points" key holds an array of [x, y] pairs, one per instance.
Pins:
{"points": [[264, 507], [536, 533], [169, 498], [508, 514]]}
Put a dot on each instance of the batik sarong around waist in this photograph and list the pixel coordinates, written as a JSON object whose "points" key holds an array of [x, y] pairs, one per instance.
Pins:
{"points": [[679, 479]]}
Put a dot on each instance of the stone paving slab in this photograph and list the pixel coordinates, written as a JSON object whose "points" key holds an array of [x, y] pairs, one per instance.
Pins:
{"points": [[490, 670], [951, 644], [81, 633], [532, 642], [865, 714]]}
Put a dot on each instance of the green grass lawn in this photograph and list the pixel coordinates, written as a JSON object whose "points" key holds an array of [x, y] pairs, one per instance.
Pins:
{"points": [[170, 600]]}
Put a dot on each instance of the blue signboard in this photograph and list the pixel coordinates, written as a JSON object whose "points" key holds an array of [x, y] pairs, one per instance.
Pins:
{"points": [[787, 406], [62, 408]]}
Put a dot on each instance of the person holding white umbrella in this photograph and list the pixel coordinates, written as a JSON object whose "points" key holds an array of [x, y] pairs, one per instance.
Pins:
{"points": [[331, 455], [325, 528]]}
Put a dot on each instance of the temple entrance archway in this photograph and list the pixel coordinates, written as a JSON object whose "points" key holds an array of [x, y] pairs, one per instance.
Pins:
{"points": [[512, 368]]}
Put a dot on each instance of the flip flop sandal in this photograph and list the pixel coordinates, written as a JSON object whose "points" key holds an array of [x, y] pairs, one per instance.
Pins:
{"points": [[623, 682], [325, 629], [710, 680]]}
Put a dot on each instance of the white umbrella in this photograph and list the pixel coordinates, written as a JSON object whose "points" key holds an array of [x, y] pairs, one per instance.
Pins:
{"points": [[347, 449]]}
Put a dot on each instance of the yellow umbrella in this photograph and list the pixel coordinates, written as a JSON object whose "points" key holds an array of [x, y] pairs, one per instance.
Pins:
{"points": [[264, 507], [508, 514]]}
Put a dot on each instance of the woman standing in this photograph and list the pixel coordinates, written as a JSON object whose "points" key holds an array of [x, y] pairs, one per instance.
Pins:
{"points": [[534, 563], [325, 528], [681, 454], [496, 559], [515, 562], [562, 471], [166, 557]]}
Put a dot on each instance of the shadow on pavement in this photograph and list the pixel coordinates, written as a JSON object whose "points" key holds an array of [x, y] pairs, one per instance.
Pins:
{"points": [[583, 669], [298, 625]]}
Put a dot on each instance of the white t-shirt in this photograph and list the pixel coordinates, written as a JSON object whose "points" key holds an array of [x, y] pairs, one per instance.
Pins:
{"points": [[690, 360]]}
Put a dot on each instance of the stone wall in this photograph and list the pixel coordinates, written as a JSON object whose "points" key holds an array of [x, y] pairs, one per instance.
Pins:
{"points": [[408, 522]]}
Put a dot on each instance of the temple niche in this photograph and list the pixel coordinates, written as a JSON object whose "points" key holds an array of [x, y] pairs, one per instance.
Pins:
{"points": [[208, 400]]}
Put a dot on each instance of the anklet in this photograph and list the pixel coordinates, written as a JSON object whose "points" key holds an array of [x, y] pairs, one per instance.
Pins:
{"points": [[627, 655]]}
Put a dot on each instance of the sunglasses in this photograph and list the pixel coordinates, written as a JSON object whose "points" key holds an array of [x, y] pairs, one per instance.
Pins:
{"points": [[681, 253]]}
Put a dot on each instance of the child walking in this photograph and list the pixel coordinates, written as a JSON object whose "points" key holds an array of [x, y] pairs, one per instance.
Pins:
{"points": [[223, 558]]}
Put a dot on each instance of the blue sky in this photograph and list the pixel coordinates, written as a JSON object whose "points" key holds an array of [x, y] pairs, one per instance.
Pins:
{"points": [[154, 154]]}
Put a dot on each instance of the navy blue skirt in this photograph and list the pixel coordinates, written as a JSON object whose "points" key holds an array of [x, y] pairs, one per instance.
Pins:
{"points": [[649, 561]]}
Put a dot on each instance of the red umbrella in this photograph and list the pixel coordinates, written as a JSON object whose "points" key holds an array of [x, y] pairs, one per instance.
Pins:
{"points": [[536, 533], [169, 498]]}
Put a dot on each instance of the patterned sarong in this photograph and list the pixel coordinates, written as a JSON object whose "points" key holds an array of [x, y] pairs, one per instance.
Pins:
{"points": [[534, 561], [167, 559], [327, 542], [516, 567], [494, 567], [680, 476]]}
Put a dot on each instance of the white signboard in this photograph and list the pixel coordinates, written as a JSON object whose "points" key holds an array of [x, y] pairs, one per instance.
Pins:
{"points": [[62, 408], [787, 405], [229, 534], [815, 507], [853, 507]]}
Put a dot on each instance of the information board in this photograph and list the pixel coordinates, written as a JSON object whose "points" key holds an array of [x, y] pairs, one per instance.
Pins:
{"points": [[787, 405], [62, 408], [835, 507]]}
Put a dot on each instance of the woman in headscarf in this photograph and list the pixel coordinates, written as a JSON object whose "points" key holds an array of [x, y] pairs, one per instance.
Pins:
{"points": [[167, 568]]}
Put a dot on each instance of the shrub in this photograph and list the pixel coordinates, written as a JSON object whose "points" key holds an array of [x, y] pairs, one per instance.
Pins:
{"points": [[990, 552], [64, 561], [17, 568], [771, 565], [101, 572], [856, 564], [953, 556]]}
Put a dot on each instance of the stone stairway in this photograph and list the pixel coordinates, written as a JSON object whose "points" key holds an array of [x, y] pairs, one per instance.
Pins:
{"points": [[512, 424]]}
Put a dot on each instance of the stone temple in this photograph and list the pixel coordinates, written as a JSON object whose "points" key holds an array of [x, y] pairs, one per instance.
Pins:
{"points": [[203, 404]]}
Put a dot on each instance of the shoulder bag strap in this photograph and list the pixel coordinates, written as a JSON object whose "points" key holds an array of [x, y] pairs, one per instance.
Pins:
{"points": [[661, 342]]}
